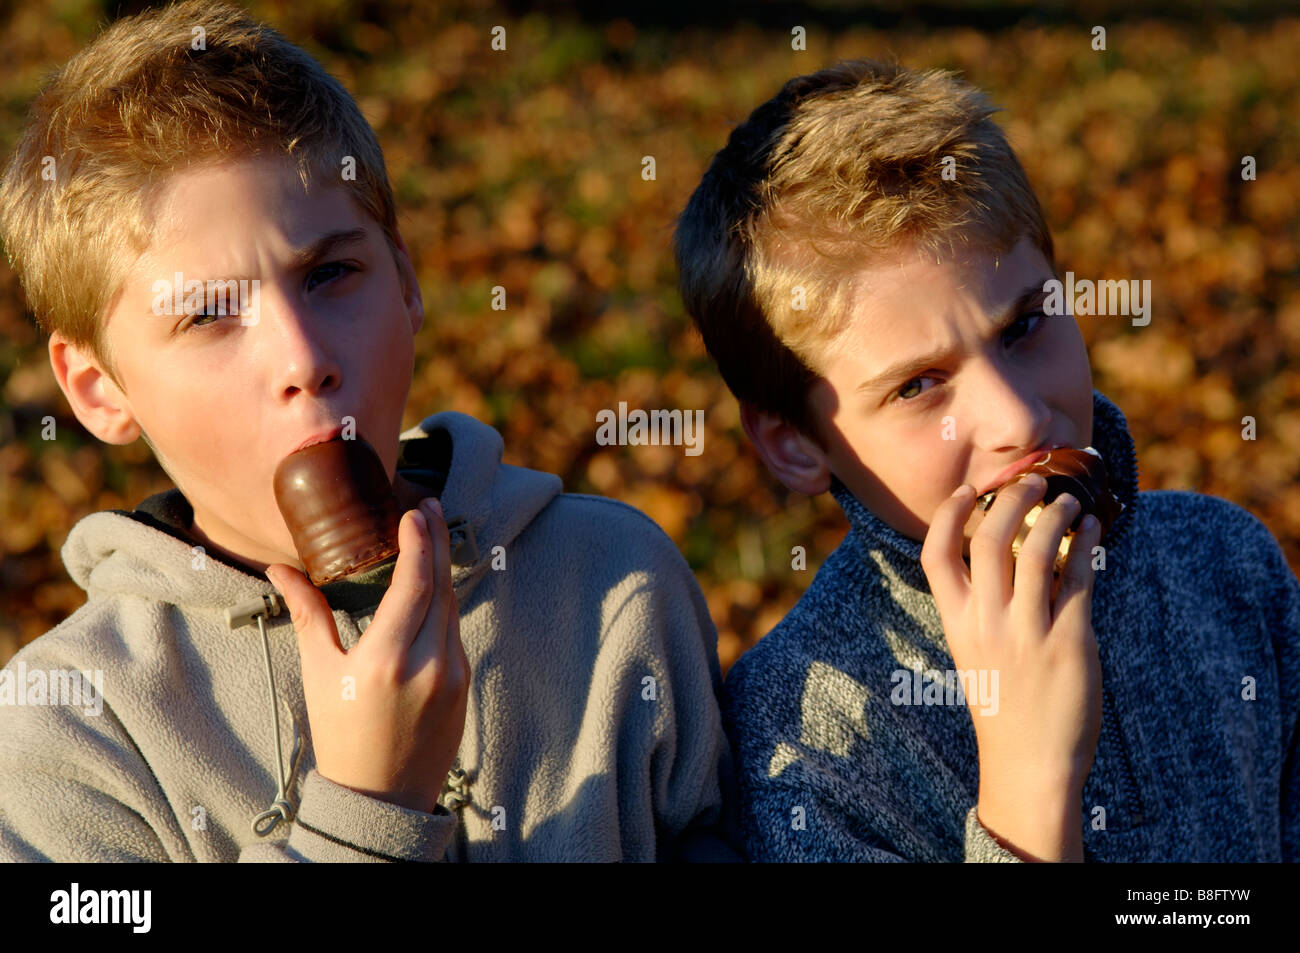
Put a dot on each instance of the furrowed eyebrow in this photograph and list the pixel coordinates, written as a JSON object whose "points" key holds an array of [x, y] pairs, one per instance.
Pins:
{"points": [[906, 369], [301, 258], [326, 245]]}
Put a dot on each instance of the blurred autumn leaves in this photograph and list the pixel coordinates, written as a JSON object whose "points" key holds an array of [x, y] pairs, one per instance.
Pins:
{"points": [[523, 169]]}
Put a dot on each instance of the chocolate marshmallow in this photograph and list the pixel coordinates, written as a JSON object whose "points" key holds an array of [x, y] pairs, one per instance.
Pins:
{"points": [[339, 506], [1082, 474]]}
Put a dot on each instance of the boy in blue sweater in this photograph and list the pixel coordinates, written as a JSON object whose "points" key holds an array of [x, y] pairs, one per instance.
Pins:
{"points": [[866, 232]]}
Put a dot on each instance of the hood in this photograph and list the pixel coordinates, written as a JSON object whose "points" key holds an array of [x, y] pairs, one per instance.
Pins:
{"points": [[902, 555], [147, 553]]}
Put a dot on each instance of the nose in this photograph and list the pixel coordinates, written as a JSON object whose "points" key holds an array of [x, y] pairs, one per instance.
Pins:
{"points": [[300, 349], [1009, 409]]}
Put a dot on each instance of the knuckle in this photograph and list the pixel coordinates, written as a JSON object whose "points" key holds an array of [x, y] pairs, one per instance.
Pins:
{"points": [[411, 589], [419, 582], [458, 666], [457, 684], [428, 681], [385, 669], [950, 507], [1048, 532], [1074, 578], [985, 543], [449, 681], [1035, 558]]}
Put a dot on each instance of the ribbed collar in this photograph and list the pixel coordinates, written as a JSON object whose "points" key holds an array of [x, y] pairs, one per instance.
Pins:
{"points": [[897, 555]]}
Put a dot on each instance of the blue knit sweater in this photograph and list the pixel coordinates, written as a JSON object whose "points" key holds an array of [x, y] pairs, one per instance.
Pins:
{"points": [[1197, 618]]}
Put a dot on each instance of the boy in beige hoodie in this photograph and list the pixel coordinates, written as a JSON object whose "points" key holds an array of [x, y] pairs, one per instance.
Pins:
{"points": [[537, 676]]}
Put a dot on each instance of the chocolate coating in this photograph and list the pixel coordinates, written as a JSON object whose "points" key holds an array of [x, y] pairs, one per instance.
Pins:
{"points": [[339, 506], [1082, 474]]}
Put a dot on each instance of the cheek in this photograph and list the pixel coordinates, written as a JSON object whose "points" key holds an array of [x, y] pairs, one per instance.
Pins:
{"points": [[1068, 354], [172, 411], [387, 370], [1067, 375], [199, 413], [394, 355]]}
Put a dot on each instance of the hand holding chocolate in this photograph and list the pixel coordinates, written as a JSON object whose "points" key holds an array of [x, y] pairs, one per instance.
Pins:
{"points": [[339, 506], [1082, 474]]}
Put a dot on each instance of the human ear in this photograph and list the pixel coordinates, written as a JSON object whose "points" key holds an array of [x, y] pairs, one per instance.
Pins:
{"points": [[96, 400], [410, 286], [794, 458]]}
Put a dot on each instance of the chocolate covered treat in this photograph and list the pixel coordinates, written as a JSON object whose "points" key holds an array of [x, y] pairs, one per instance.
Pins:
{"points": [[1082, 474], [339, 506]]}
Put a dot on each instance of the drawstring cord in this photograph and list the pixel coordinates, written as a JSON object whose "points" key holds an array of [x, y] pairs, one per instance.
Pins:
{"points": [[456, 793], [455, 788], [281, 809]]}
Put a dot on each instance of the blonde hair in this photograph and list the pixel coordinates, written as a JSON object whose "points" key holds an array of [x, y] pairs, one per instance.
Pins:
{"points": [[842, 167], [139, 102]]}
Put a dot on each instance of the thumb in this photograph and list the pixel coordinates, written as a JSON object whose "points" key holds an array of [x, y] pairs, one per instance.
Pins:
{"points": [[311, 615]]}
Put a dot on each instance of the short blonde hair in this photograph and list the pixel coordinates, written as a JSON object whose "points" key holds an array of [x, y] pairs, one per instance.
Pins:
{"points": [[139, 102], [842, 167]]}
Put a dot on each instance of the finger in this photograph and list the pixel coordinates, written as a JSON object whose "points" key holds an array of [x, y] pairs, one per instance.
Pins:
{"points": [[990, 547], [313, 621], [403, 607], [450, 651], [451, 643], [1031, 602], [431, 640], [941, 552], [1077, 576], [466, 673]]}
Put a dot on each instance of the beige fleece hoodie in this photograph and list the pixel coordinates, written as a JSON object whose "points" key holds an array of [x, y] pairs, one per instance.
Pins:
{"points": [[593, 730]]}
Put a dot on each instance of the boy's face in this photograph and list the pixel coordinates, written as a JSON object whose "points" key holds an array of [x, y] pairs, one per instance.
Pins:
{"points": [[222, 401], [996, 381]]}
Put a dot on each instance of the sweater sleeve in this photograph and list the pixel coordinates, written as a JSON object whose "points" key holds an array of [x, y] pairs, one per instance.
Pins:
{"points": [[981, 846], [1288, 634], [677, 790], [73, 788], [335, 824], [784, 824], [1279, 603], [693, 775]]}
